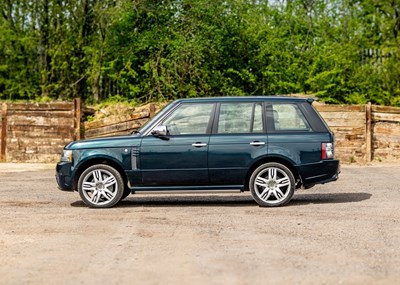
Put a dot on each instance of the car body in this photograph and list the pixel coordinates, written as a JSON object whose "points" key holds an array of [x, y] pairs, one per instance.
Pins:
{"points": [[264, 144]]}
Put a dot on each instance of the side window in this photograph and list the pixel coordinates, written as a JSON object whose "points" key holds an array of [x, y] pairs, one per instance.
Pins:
{"points": [[240, 118], [189, 119], [287, 117]]}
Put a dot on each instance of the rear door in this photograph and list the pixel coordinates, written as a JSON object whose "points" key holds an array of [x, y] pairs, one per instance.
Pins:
{"points": [[290, 134], [238, 137]]}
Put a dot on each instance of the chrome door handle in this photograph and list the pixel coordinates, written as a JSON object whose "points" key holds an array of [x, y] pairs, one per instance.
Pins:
{"points": [[199, 144], [256, 143]]}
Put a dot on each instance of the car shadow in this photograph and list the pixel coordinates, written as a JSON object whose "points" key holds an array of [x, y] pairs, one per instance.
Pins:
{"points": [[232, 201], [328, 198]]}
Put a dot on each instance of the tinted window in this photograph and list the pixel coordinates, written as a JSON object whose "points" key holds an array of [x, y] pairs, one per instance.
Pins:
{"points": [[189, 119], [288, 117], [240, 118]]}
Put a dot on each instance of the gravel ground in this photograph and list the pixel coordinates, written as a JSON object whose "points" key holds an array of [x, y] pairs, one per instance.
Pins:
{"points": [[346, 232]]}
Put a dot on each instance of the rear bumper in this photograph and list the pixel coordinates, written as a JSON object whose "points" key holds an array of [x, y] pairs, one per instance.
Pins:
{"points": [[319, 173], [64, 176]]}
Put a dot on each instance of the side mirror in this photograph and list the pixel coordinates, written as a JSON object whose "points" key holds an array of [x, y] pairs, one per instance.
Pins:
{"points": [[160, 131]]}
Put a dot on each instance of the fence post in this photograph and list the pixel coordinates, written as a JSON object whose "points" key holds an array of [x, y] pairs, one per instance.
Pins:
{"points": [[152, 110], [368, 132], [77, 118], [3, 140]]}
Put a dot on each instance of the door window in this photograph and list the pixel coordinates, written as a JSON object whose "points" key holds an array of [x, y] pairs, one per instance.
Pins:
{"points": [[189, 119], [240, 118]]}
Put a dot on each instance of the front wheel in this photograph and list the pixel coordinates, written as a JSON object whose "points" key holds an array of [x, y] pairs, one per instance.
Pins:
{"points": [[272, 184], [127, 192], [101, 186]]}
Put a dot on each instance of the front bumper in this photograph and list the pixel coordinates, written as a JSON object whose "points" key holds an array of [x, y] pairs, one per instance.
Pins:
{"points": [[64, 176]]}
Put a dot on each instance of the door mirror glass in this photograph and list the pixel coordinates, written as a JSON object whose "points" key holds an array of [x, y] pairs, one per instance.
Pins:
{"points": [[160, 131]]}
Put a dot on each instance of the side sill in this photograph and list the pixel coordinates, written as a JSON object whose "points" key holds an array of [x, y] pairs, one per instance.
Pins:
{"points": [[187, 189]]}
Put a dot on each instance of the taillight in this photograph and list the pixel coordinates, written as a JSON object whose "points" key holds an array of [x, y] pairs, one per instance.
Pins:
{"points": [[327, 151]]}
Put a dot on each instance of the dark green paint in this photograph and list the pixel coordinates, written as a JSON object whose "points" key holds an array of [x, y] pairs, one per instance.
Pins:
{"points": [[224, 162]]}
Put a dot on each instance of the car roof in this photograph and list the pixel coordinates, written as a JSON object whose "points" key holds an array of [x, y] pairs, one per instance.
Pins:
{"points": [[246, 98]]}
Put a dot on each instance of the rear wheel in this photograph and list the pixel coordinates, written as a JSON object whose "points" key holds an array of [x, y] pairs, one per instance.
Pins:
{"points": [[101, 186], [272, 184]]}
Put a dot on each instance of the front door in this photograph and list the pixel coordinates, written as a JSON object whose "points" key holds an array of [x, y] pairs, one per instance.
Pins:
{"points": [[180, 158]]}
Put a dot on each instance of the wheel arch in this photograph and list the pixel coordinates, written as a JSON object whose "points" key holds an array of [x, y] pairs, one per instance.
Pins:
{"points": [[98, 160], [284, 161]]}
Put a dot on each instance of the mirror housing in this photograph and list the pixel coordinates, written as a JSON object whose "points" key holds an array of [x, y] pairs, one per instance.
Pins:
{"points": [[160, 131]]}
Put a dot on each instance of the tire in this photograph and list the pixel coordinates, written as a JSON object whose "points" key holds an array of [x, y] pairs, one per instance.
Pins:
{"points": [[127, 192], [101, 186], [272, 184]]}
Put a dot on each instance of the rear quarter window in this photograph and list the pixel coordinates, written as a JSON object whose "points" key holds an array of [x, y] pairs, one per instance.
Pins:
{"points": [[286, 117]]}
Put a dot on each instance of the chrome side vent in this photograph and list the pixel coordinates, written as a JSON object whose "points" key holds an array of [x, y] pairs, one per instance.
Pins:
{"points": [[134, 156]]}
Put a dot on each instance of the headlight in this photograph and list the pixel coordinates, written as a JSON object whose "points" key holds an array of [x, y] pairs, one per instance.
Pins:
{"points": [[66, 155]]}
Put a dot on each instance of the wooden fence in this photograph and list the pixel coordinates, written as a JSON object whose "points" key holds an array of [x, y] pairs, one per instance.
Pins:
{"points": [[38, 132], [364, 132]]}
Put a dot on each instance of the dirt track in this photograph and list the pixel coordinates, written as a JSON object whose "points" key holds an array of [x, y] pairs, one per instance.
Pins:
{"points": [[346, 232]]}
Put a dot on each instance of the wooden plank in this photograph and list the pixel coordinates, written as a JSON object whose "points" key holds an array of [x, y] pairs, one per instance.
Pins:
{"points": [[47, 135], [42, 113], [387, 128], [31, 148], [340, 108], [388, 151], [356, 123], [343, 115], [37, 141], [121, 133], [35, 157], [30, 129], [3, 140], [351, 137], [346, 143], [352, 131], [41, 106], [395, 131], [41, 121], [115, 120], [386, 117], [385, 109], [349, 150], [125, 126]]}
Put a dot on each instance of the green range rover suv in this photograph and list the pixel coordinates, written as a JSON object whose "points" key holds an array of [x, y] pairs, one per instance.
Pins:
{"points": [[269, 146]]}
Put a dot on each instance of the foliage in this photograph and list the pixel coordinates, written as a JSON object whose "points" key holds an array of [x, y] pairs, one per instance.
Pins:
{"points": [[343, 51]]}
